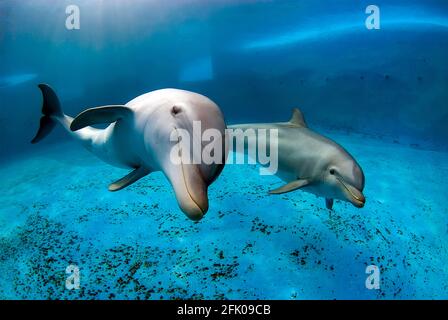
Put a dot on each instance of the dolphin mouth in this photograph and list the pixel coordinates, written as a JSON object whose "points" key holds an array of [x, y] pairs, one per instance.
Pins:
{"points": [[199, 206], [189, 187], [354, 195]]}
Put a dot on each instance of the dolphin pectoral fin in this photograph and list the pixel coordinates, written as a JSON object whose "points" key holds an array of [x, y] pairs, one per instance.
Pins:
{"points": [[98, 115], [294, 185], [297, 118], [129, 179], [329, 203]]}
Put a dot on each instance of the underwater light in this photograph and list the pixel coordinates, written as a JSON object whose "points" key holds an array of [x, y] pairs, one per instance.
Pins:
{"points": [[16, 79], [316, 33]]}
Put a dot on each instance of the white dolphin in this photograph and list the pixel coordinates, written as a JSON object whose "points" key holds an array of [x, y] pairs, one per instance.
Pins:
{"points": [[138, 138], [311, 162]]}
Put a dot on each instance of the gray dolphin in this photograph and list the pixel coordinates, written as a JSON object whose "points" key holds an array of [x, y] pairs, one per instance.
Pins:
{"points": [[138, 138], [313, 163]]}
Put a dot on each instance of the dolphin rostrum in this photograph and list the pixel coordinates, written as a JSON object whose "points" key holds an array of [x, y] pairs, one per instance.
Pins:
{"points": [[139, 138], [313, 163]]}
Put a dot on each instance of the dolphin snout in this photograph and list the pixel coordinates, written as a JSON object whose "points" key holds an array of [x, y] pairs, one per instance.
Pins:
{"points": [[355, 196], [193, 209], [358, 201], [190, 190], [352, 194]]}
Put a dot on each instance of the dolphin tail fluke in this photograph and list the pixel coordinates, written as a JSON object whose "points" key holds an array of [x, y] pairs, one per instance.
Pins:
{"points": [[51, 109]]}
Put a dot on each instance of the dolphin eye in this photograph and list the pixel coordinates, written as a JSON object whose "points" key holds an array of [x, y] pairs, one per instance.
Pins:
{"points": [[332, 171], [175, 110]]}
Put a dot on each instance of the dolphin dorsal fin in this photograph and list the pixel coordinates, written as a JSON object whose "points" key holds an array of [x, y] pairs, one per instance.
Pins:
{"points": [[297, 118], [99, 115]]}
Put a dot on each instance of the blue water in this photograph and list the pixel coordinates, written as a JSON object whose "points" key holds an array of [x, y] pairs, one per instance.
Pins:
{"points": [[382, 94]]}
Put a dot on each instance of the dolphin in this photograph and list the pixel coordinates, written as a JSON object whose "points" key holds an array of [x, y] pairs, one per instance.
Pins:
{"points": [[139, 138], [313, 163]]}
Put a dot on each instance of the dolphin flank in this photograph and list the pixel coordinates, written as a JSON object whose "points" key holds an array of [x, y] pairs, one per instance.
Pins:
{"points": [[313, 163], [138, 138]]}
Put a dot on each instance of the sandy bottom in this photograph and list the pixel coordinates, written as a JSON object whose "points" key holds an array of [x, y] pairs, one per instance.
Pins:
{"points": [[137, 244]]}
